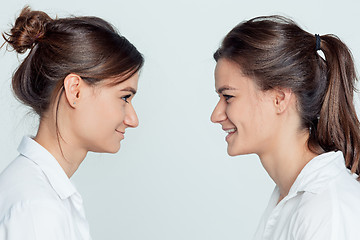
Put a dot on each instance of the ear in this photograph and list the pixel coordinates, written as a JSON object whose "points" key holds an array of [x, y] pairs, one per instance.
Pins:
{"points": [[282, 99], [72, 87]]}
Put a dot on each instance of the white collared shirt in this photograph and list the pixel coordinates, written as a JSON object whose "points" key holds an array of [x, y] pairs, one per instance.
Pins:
{"points": [[38, 200], [322, 204]]}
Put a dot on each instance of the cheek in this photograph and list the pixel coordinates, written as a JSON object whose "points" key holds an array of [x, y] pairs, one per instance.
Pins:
{"points": [[109, 114], [240, 113], [92, 120], [250, 118], [100, 117], [264, 122]]}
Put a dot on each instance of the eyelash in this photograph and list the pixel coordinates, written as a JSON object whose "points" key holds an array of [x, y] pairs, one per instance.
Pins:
{"points": [[227, 97], [125, 98]]}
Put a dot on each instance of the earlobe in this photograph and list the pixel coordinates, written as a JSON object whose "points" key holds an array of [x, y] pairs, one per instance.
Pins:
{"points": [[72, 87]]}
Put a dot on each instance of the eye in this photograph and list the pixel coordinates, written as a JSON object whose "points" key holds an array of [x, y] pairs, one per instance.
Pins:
{"points": [[227, 97], [125, 98]]}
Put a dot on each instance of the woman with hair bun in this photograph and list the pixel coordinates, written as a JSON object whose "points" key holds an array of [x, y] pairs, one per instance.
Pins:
{"points": [[79, 76], [280, 99]]}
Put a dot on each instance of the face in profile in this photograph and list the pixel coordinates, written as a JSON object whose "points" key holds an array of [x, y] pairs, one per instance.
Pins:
{"points": [[244, 111], [104, 113]]}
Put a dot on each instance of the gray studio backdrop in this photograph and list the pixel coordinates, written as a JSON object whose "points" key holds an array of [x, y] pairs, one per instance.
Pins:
{"points": [[172, 178]]}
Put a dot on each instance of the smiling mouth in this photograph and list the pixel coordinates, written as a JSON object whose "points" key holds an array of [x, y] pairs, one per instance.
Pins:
{"points": [[119, 132], [229, 131]]}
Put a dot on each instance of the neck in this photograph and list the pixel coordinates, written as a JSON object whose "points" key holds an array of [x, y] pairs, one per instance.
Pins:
{"points": [[286, 162], [68, 155]]}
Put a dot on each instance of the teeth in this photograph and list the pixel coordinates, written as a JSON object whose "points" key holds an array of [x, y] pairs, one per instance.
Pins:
{"points": [[230, 130]]}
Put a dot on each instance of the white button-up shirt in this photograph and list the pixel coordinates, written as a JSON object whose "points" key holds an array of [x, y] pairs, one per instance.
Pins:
{"points": [[322, 204], [37, 199]]}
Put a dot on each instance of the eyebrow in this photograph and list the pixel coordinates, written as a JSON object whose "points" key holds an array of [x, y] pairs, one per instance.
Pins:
{"points": [[220, 90], [129, 89]]}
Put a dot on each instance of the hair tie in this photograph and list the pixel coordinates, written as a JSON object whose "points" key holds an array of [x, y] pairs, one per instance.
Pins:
{"points": [[318, 41]]}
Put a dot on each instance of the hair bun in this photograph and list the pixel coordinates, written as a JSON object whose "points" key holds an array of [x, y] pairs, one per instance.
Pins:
{"points": [[28, 29]]}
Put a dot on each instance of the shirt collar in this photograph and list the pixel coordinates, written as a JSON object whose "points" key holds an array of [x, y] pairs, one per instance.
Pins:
{"points": [[318, 173], [49, 165]]}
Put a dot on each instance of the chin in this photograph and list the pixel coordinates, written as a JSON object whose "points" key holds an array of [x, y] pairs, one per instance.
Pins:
{"points": [[114, 150], [231, 152], [236, 152], [107, 149]]}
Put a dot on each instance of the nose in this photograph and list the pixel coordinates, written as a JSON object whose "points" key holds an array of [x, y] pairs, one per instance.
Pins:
{"points": [[218, 115], [131, 118]]}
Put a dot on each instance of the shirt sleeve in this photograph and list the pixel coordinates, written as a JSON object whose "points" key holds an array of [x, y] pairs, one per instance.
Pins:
{"points": [[313, 226], [317, 219], [35, 221]]}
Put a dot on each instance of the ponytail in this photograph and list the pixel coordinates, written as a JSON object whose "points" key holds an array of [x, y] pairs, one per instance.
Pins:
{"points": [[338, 127], [276, 52]]}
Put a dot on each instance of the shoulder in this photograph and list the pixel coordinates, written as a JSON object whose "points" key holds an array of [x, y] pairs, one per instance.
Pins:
{"points": [[337, 195], [312, 216], [23, 182], [20, 167], [331, 212], [41, 219]]}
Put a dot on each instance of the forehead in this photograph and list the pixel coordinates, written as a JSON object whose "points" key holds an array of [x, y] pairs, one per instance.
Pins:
{"points": [[228, 73], [119, 82]]}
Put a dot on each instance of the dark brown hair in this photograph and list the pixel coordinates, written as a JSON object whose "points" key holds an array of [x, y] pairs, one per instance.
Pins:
{"points": [[87, 46], [275, 52]]}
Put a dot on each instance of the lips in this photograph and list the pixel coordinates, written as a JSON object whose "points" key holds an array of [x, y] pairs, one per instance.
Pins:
{"points": [[121, 133], [229, 131]]}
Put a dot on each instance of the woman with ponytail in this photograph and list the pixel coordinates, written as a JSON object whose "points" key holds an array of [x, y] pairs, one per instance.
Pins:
{"points": [[280, 99], [79, 76]]}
